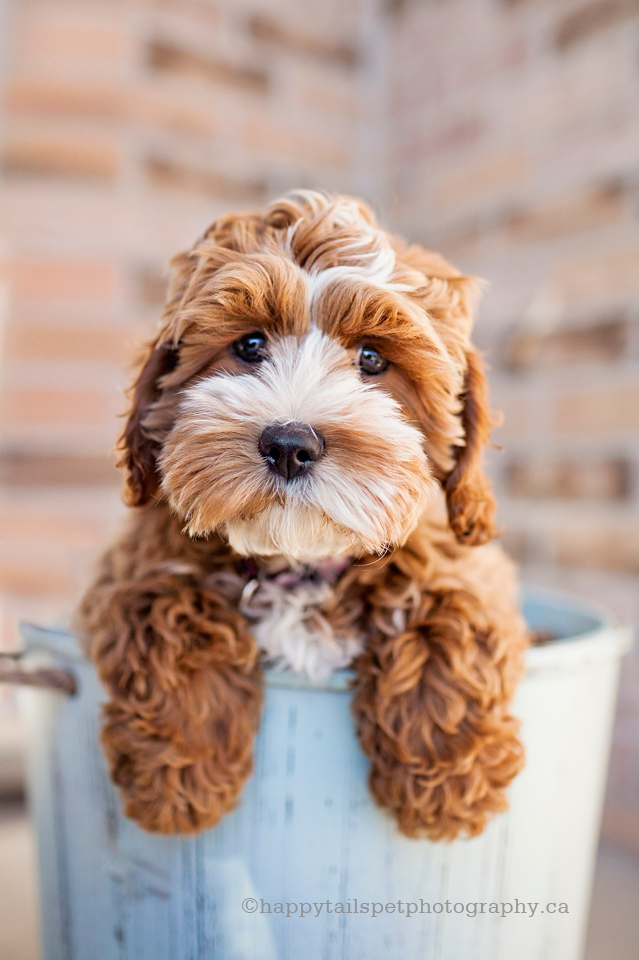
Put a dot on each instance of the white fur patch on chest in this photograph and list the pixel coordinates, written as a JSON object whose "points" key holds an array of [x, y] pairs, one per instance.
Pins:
{"points": [[290, 629]]}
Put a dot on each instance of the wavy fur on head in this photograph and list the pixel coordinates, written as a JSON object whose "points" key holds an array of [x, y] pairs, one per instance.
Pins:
{"points": [[422, 601]]}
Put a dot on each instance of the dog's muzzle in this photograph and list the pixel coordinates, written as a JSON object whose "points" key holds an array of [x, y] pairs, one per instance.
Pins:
{"points": [[291, 448]]}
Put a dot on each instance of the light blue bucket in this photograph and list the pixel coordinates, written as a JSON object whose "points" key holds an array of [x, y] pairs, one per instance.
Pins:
{"points": [[307, 836]]}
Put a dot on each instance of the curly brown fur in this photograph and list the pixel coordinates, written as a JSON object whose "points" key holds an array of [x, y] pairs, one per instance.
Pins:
{"points": [[432, 702], [400, 492], [182, 672]]}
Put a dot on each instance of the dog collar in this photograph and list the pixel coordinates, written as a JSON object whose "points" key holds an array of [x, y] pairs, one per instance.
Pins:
{"points": [[326, 571]]}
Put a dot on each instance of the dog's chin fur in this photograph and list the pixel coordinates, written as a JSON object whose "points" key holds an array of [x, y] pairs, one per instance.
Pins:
{"points": [[293, 530]]}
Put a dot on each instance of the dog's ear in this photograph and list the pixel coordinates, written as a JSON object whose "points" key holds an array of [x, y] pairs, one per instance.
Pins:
{"points": [[449, 298], [469, 497], [138, 451]]}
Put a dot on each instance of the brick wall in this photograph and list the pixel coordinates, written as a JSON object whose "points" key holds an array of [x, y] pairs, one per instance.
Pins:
{"points": [[515, 150], [504, 132]]}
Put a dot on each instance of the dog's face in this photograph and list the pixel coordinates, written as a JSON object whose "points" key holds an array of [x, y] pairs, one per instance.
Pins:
{"points": [[311, 385]]}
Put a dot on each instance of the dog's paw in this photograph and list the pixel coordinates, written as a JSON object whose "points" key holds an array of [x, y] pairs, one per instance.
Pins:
{"points": [[169, 786], [442, 801]]}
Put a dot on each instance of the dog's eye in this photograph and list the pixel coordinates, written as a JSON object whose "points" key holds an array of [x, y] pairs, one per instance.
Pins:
{"points": [[250, 347], [371, 361]]}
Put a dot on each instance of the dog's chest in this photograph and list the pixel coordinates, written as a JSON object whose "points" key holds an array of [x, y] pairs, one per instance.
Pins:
{"points": [[290, 626]]}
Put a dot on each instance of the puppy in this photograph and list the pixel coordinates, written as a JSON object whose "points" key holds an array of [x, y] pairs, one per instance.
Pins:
{"points": [[303, 453]]}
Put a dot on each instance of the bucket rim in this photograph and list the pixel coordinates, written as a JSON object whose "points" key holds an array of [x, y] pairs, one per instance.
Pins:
{"points": [[609, 638]]}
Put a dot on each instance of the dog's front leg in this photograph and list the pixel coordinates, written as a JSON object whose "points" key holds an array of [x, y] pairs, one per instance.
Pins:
{"points": [[185, 691], [432, 713]]}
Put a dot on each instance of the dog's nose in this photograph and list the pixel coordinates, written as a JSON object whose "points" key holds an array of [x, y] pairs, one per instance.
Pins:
{"points": [[291, 448]]}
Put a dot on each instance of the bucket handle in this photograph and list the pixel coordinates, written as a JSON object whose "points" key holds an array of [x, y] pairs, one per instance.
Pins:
{"points": [[48, 678]]}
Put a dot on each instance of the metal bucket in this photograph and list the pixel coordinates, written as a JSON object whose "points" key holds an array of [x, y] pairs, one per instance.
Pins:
{"points": [[307, 866]]}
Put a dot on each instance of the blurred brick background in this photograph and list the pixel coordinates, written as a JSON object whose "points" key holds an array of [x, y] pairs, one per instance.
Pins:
{"points": [[503, 132]]}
